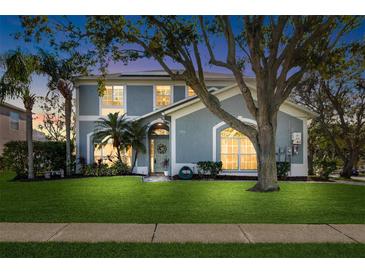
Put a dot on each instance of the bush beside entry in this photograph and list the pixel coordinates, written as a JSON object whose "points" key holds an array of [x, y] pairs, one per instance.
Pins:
{"points": [[209, 168], [100, 169], [282, 169]]}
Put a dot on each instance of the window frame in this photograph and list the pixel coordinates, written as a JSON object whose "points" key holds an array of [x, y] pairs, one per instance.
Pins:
{"points": [[11, 121], [155, 107], [104, 156], [120, 108], [238, 154]]}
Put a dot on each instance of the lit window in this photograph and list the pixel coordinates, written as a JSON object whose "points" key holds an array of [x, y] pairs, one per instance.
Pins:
{"points": [[113, 100], [107, 154], [191, 92], [237, 151], [163, 96], [14, 120]]}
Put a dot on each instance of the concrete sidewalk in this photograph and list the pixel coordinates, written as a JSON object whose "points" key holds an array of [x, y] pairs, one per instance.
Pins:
{"points": [[182, 233]]}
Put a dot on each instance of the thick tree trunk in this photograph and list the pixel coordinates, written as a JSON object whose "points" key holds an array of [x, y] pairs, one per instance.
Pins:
{"points": [[135, 160], [119, 155], [68, 110], [266, 157], [349, 164], [29, 136]]}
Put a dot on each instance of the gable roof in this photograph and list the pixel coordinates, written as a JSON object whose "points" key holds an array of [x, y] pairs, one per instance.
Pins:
{"points": [[192, 100]]}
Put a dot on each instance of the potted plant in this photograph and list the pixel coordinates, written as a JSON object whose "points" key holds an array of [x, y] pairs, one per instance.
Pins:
{"points": [[165, 164]]}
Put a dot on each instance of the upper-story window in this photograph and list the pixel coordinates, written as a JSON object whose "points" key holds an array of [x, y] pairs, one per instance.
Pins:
{"points": [[113, 100], [14, 120], [163, 96], [191, 92]]}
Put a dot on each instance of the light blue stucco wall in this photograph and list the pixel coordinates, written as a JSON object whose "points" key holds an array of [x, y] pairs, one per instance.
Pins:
{"points": [[88, 100], [179, 93], [194, 132], [85, 127], [139, 100], [194, 137]]}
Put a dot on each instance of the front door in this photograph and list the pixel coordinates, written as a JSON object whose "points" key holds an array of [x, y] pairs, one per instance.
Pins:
{"points": [[161, 154]]}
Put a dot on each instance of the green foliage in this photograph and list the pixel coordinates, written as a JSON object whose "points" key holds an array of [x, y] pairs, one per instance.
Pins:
{"points": [[47, 156], [122, 133], [53, 117], [16, 80], [112, 129], [100, 169], [282, 169], [324, 167], [209, 168]]}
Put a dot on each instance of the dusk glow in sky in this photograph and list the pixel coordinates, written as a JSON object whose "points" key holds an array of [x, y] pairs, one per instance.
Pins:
{"points": [[11, 24]]}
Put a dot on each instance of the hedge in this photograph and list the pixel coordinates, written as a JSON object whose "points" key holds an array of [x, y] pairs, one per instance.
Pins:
{"points": [[47, 156]]}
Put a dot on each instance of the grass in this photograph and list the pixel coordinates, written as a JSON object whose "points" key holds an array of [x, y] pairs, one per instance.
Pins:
{"points": [[128, 200], [128, 250]]}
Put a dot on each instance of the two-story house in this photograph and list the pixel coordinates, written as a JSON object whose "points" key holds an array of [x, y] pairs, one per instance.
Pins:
{"points": [[180, 129], [12, 124]]}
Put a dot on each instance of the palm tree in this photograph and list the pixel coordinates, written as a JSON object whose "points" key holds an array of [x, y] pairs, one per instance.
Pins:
{"points": [[113, 128], [62, 73], [15, 83], [136, 134]]}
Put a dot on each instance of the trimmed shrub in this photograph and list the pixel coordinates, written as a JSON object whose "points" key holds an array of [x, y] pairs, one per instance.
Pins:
{"points": [[47, 156], [282, 169], [324, 167], [100, 169], [209, 168]]}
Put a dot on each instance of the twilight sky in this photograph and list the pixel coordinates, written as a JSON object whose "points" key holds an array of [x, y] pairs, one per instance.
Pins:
{"points": [[11, 24]]}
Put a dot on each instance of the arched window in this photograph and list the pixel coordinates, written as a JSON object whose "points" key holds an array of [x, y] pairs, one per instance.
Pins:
{"points": [[107, 154], [237, 151]]}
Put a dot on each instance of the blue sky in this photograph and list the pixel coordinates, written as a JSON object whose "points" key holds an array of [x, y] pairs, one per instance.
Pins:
{"points": [[11, 24]]}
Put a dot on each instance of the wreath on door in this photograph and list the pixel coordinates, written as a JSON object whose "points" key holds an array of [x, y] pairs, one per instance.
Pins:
{"points": [[161, 148]]}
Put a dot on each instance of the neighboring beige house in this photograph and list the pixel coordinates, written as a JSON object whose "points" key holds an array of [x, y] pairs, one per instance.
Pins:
{"points": [[12, 124]]}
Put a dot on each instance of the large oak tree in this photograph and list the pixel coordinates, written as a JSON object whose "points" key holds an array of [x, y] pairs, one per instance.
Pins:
{"points": [[278, 49]]}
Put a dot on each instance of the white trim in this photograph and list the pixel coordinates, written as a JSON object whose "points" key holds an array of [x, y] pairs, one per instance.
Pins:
{"points": [[141, 170], [215, 129], [230, 91], [77, 112], [239, 173], [302, 169], [88, 141], [212, 89], [93, 118], [173, 145], [149, 125]]}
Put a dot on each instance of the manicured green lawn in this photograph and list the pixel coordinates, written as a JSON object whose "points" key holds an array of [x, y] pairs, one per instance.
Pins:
{"points": [[128, 200], [110, 250]]}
